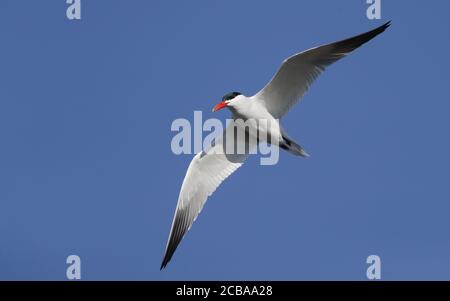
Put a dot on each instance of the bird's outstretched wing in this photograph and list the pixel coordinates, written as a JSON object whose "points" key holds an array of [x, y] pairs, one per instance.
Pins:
{"points": [[298, 72], [206, 172]]}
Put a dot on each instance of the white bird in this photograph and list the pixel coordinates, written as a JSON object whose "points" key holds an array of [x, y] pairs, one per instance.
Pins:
{"points": [[208, 169]]}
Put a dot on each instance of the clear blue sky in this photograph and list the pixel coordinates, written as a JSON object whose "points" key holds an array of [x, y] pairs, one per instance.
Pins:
{"points": [[86, 166]]}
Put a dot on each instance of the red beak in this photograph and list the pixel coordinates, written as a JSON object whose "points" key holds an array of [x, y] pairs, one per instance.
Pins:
{"points": [[219, 106]]}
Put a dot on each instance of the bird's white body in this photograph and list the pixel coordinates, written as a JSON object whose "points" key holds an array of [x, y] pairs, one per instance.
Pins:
{"points": [[266, 127], [211, 167]]}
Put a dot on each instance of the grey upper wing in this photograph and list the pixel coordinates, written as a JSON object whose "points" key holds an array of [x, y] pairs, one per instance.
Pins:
{"points": [[298, 72]]}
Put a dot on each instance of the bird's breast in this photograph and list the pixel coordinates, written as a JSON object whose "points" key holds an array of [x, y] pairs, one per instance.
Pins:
{"points": [[257, 121]]}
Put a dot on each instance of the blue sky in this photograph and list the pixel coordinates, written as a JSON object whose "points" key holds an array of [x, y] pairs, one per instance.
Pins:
{"points": [[86, 166]]}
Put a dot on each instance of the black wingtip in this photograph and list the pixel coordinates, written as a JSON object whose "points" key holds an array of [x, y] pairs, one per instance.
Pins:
{"points": [[181, 224], [167, 256], [381, 28], [385, 26], [164, 263]]}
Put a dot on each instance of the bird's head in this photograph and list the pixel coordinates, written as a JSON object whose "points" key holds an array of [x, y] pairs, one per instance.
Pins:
{"points": [[229, 100]]}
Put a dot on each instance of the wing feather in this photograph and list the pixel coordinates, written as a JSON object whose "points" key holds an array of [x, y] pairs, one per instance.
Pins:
{"points": [[205, 173], [299, 71]]}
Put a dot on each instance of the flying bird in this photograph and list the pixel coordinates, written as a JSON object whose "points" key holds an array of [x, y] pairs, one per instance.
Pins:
{"points": [[209, 168]]}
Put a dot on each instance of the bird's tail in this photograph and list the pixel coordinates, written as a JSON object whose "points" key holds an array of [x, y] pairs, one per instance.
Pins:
{"points": [[291, 146]]}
